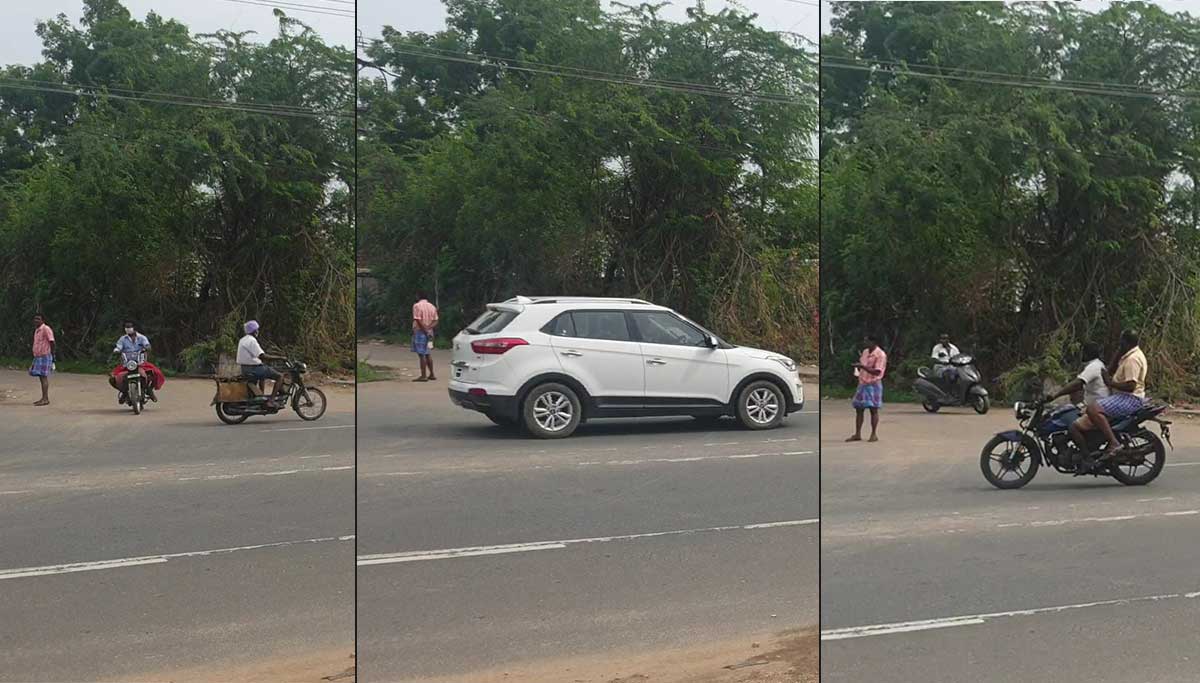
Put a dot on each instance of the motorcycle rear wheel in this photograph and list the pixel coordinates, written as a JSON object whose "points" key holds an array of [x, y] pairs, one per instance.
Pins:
{"points": [[1008, 459], [1128, 474], [230, 419], [930, 406]]}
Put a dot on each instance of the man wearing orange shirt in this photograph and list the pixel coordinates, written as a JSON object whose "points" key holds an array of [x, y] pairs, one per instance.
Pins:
{"points": [[43, 357]]}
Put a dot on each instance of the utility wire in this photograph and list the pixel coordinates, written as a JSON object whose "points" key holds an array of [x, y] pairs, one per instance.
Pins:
{"points": [[297, 7], [1043, 79], [182, 99], [513, 60], [1020, 84], [617, 80], [314, 114]]}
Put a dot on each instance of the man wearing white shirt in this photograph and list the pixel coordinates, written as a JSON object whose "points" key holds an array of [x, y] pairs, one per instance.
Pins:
{"points": [[251, 357], [1090, 381], [942, 352]]}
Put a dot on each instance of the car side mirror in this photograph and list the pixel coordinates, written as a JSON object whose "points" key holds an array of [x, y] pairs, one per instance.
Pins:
{"points": [[711, 342]]}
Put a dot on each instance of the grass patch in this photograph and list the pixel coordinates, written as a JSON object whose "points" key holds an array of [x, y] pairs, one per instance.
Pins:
{"points": [[74, 366], [365, 372]]}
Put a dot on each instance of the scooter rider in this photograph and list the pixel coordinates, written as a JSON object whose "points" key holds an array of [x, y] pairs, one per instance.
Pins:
{"points": [[942, 352], [252, 359], [131, 346]]}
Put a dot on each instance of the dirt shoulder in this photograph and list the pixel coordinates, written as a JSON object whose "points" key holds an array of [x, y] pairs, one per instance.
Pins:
{"points": [[788, 657]]}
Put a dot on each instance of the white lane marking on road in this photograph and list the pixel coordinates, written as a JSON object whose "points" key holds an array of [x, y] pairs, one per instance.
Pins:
{"points": [[591, 463], [53, 569], [1085, 520], [1153, 500], [10, 493], [309, 457], [480, 550], [969, 619], [276, 473], [307, 429], [1181, 464]]}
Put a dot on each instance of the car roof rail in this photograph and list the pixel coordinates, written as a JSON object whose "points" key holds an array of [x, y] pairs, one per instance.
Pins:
{"points": [[583, 299]]}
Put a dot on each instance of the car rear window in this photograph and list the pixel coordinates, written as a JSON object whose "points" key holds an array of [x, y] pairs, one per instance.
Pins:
{"points": [[601, 325], [493, 320], [562, 326]]}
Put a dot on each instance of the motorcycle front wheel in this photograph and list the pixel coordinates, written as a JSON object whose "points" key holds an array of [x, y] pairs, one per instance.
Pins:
{"points": [[930, 406], [134, 392], [1008, 464], [309, 403], [981, 404], [1140, 474], [230, 419]]}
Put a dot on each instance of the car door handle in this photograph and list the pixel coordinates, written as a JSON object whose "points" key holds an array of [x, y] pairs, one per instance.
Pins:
{"points": [[656, 361], [572, 354]]}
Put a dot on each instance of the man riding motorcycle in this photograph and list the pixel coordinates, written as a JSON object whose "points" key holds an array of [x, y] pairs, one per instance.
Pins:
{"points": [[1127, 387], [1090, 383], [253, 360], [131, 346]]}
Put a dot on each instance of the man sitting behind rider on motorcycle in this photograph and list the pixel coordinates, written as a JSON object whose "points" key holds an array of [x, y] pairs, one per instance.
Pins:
{"points": [[942, 352], [131, 346], [253, 360], [1128, 387], [1090, 383]]}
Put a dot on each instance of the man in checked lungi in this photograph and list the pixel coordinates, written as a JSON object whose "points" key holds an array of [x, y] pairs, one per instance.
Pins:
{"points": [[43, 357], [870, 368]]}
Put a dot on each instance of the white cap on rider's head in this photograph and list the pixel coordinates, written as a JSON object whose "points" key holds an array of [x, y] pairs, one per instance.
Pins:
{"points": [[251, 327]]}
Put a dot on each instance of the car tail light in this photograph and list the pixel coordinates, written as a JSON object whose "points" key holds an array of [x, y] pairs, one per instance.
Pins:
{"points": [[497, 346], [477, 392]]}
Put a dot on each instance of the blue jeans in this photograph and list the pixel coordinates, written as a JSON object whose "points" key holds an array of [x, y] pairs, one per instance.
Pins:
{"points": [[260, 372]]}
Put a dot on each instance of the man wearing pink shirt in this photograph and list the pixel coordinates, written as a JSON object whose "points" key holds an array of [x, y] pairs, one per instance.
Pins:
{"points": [[43, 357], [870, 368], [425, 319]]}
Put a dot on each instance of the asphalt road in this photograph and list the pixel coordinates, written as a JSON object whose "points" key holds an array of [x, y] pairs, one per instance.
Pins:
{"points": [[930, 574], [483, 552], [169, 546]]}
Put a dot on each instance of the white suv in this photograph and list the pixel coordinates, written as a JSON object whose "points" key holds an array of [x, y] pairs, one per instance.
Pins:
{"points": [[551, 363]]}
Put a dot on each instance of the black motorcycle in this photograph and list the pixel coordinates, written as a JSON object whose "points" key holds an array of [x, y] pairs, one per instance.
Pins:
{"points": [[958, 387], [1011, 459], [239, 398]]}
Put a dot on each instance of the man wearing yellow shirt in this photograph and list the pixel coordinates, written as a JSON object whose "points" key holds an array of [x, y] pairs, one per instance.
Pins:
{"points": [[1128, 387]]}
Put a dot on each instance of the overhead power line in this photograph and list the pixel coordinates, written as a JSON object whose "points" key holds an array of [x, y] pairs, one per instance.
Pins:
{"points": [[1043, 85], [84, 91], [183, 99], [298, 7], [617, 79]]}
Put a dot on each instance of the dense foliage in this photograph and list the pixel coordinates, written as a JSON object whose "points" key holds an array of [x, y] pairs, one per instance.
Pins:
{"points": [[1039, 190], [509, 154], [187, 219]]}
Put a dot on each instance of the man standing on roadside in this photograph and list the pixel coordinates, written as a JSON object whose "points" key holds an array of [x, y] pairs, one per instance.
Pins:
{"points": [[425, 319], [869, 369], [43, 357]]}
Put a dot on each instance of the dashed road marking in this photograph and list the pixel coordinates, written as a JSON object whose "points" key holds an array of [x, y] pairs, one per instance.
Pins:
{"points": [[53, 569], [972, 619], [511, 548]]}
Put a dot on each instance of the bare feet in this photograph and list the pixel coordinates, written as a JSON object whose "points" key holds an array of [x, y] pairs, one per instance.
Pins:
{"points": [[856, 437], [42, 402], [873, 438], [421, 379]]}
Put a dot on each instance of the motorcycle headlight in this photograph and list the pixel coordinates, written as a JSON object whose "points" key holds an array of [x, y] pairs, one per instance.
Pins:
{"points": [[302, 367], [131, 365], [1019, 410], [785, 362]]}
